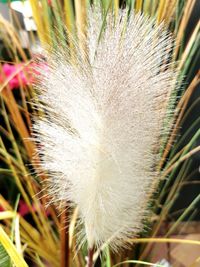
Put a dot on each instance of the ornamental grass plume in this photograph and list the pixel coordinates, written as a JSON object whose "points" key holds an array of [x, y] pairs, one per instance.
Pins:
{"points": [[105, 118]]}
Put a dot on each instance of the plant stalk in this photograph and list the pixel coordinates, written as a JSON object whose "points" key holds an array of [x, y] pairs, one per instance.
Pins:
{"points": [[90, 262], [64, 235]]}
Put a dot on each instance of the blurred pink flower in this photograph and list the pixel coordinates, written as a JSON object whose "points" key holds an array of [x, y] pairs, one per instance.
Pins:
{"points": [[24, 208], [21, 74], [20, 78], [1, 208]]}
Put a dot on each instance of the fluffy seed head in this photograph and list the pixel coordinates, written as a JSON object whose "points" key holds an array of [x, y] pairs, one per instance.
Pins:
{"points": [[104, 121]]}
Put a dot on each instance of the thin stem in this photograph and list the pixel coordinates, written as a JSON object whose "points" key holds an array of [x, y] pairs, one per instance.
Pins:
{"points": [[64, 233], [90, 262]]}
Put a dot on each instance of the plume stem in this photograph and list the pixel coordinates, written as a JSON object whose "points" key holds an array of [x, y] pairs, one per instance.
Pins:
{"points": [[90, 262], [64, 233]]}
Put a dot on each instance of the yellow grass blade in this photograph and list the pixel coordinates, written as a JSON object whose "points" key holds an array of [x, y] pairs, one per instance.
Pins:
{"points": [[189, 45], [166, 10], [186, 15], [17, 235], [138, 262], [7, 215], [181, 106], [36, 8], [11, 249], [81, 15], [138, 5], [181, 159], [170, 8], [69, 16], [11, 39], [72, 226], [116, 7], [165, 240], [161, 8]]}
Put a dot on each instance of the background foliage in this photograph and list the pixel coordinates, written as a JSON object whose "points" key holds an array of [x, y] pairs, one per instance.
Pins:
{"points": [[30, 233]]}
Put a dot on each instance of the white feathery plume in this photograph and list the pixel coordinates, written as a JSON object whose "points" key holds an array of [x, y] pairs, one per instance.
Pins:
{"points": [[103, 123]]}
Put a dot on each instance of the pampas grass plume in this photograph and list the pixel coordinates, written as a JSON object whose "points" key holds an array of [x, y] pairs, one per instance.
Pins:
{"points": [[104, 122]]}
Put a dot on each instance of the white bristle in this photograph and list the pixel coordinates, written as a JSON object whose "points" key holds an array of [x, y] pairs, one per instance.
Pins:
{"points": [[103, 124]]}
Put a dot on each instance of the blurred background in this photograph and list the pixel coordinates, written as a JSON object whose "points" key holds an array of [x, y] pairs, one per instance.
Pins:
{"points": [[33, 235]]}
